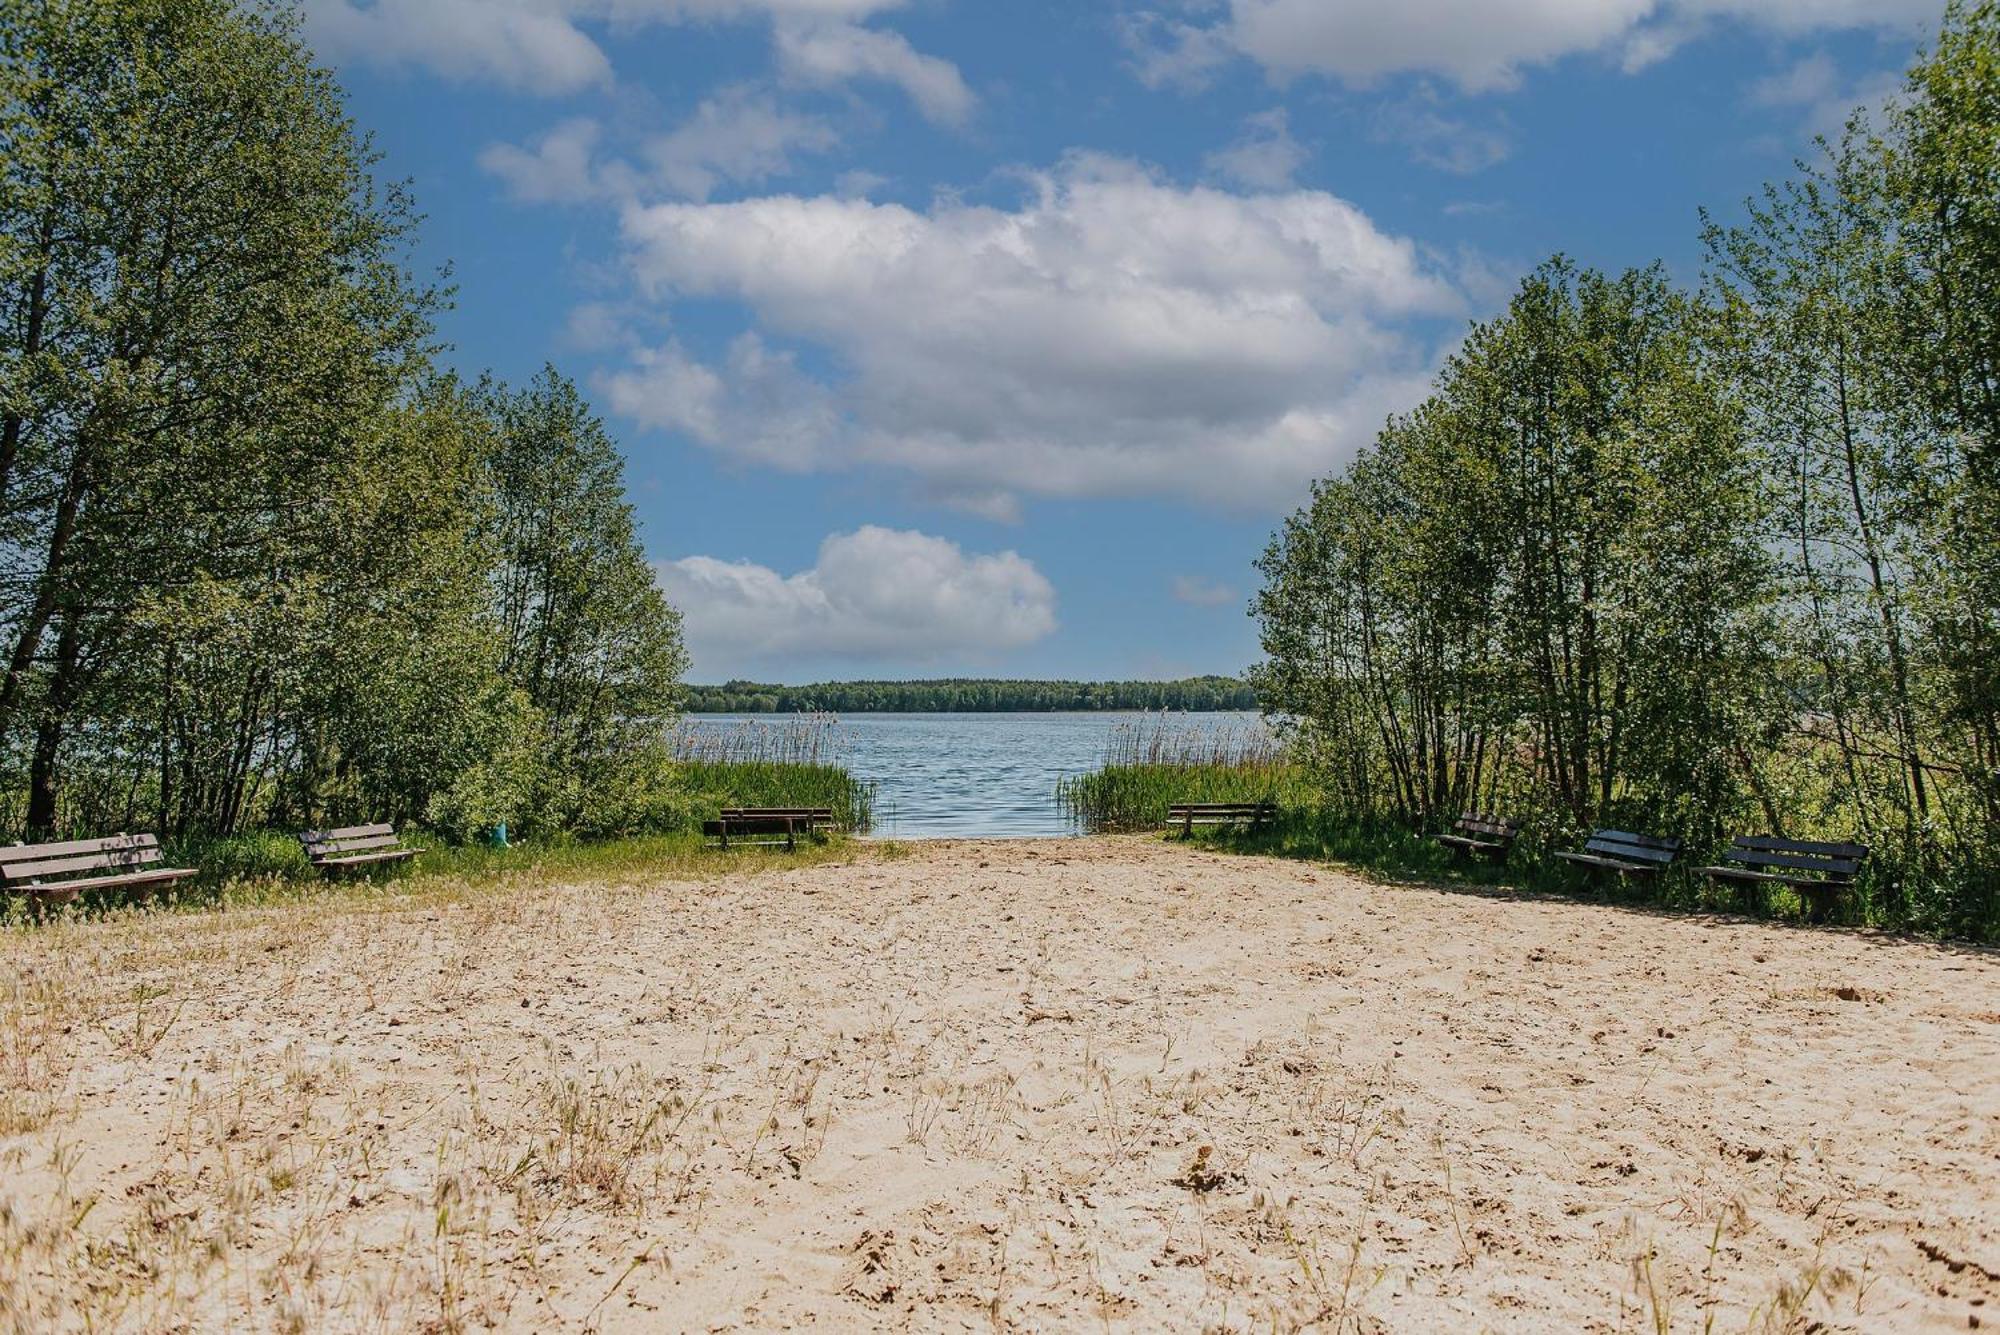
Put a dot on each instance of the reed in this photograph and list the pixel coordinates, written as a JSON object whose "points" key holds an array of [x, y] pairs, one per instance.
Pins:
{"points": [[1152, 763], [796, 761]]}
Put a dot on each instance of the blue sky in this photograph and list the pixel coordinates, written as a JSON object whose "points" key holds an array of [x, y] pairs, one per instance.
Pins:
{"points": [[952, 337]]}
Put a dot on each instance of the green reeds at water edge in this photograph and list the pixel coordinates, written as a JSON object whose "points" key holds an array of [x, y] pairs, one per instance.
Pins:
{"points": [[798, 761], [1153, 763]]}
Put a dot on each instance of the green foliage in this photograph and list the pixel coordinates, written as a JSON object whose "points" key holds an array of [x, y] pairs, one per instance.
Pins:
{"points": [[259, 563], [1196, 694], [1697, 564]]}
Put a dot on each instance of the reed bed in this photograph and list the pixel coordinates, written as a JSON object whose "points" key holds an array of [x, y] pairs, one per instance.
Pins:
{"points": [[1152, 763], [796, 761]]}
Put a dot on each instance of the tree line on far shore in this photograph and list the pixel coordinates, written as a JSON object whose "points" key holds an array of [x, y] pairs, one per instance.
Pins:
{"points": [[971, 696], [261, 560], [1699, 562]]}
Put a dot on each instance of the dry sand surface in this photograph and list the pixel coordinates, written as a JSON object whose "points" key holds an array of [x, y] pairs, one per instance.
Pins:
{"points": [[1103, 1084]]}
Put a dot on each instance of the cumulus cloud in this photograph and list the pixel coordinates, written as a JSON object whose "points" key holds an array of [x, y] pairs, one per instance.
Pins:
{"points": [[1479, 44], [1824, 97], [825, 55], [740, 136], [520, 44], [540, 46], [1113, 334], [1438, 139], [876, 594], [1264, 156]]}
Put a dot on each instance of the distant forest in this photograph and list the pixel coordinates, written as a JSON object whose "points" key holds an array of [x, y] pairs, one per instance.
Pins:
{"points": [[968, 696]]}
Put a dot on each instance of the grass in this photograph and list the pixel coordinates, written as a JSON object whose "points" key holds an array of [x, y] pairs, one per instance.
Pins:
{"points": [[794, 762], [255, 870], [1155, 762]]}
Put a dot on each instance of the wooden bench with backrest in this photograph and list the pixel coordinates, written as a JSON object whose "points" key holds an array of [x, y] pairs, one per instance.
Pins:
{"points": [[1482, 834], [59, 873], [1625, 853], [1820, 872], [770, 826], [1187, 815], [353, 847]]}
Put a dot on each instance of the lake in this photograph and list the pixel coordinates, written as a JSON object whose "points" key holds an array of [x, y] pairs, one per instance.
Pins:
{"points": [[960, 776]]}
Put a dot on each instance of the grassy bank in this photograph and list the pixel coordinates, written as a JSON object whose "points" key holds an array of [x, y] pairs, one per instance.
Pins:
{"points": [[796, 763], [260, 870]]}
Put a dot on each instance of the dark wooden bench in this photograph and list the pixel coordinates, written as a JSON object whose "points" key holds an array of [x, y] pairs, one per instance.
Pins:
{"points": [[1820, 872], [770, 826], [1625, 853], [59, 873], [1187, 815], [354, 846], [1483, 835]]}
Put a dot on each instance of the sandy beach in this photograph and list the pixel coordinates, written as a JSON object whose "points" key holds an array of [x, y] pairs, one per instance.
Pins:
{"points": [[1113, 1084]]}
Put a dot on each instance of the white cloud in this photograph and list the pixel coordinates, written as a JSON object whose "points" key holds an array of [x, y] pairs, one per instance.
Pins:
{"points": [[1201, 591], [521, 44], [757, 406], [875, 594], [1113, 334], [1824, 97], [1435, 139], [539, 46], [560, 167], [1478, 44], [740, 136], [822, 55], [737, 137], [1264, 157]]}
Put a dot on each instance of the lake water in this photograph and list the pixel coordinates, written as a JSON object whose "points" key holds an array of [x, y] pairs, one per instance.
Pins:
{"points": [[981, 775]]}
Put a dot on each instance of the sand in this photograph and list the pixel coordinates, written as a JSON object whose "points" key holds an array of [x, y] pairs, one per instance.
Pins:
{"points": [[1101, 1084]]}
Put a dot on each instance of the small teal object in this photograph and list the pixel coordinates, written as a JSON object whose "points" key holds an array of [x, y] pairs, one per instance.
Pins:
{"points": [[499, 838]]}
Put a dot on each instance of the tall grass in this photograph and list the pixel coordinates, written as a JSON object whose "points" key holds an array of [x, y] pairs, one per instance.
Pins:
{"points": [[1152, 763], [797, 761]]}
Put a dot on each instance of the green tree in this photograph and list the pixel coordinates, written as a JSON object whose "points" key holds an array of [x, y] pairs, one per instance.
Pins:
{"points": [[585, 633]]}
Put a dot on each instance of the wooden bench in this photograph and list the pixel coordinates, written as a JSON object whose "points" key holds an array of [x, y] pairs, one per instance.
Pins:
{"points": [[354, 846], [1820, 872], [770, 826], [1187, 815], [58, 873], [1625, 853], [1482, 834]]}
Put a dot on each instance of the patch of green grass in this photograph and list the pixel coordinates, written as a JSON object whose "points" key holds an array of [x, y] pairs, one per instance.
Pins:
{"points": [[262, 877], [714, 785], [1136, 796]]}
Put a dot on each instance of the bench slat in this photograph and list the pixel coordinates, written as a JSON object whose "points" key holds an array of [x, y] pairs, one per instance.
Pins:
{"points": [[108, 843], [321, 847], [1767, 843], [1638, 840], [105, 861], [64, 891], [352, 831], [392, 855], [1842, 868]]}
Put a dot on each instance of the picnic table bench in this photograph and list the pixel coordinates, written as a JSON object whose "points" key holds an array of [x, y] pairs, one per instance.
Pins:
{"points": [[1625, 853], [1820, 872], [61, 872], [1187, 815], [769, 826], [1483, 834], [354, 846]]}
